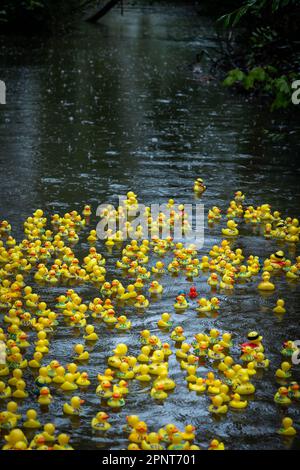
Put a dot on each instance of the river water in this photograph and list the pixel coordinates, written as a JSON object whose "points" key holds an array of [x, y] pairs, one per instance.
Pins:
{"points": [[111, 108]]}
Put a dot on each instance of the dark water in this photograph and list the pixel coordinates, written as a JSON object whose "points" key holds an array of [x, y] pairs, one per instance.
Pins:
{"points": [[110, 108]]}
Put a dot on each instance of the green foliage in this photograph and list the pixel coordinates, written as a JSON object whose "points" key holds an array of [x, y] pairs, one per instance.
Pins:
{"points": [[262, 79], [255, 8]]}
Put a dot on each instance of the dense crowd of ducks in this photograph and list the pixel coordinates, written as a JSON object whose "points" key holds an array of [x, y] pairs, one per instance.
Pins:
{"points": [[46, 257]]}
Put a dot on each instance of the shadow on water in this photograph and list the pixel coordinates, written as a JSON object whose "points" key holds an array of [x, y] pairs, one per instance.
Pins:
{"points": [[109, 108]]}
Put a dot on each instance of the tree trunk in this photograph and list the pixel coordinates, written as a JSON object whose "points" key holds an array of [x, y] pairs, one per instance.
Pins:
{"points": [[103, 10]]}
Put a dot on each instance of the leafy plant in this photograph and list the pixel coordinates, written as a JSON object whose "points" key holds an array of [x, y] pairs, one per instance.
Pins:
{"points": [[262, 78]]}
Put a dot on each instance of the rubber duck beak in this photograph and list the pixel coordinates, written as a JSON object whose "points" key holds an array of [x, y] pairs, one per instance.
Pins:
{"points": [[82, 402]]}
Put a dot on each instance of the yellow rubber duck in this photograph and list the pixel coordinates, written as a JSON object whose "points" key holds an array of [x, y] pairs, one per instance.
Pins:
{"points": [[32, 422], [45, 397], [131, 422], [182, 353], [158, 268], [20, 391], [123, 324], [242, 385], [63, 443], [178, 443], [279, 307], [188, 433], [216, 353], [287, 428], [265, 284], [181, 304], [199, 186], [99, 423], [49, 432], [141, 302], [144, 354], [9, 418], [15, 437], [237, 403], [218, 406], [139, 432], [260, 362], [119, 353], [199, 386], [284, 371], [81, 354], [90, 335], [74, 407], [231, 230], [143, 373], [152, 442], [116, 400], [108, 375], [165, 321], [164, 380], [5, 391], [158, 393], [104, 389], [83, 380], [281, 397], [213, 281], [155, 288], [177, 334]]}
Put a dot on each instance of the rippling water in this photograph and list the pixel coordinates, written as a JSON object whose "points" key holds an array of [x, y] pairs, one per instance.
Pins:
{"points": [[110, 108]]}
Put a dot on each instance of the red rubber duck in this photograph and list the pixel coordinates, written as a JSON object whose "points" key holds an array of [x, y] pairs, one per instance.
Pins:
{"points": [[193, 293]]}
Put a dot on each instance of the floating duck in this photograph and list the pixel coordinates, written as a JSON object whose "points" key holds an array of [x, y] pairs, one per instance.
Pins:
{"points": [[279, 307], [178, 443], [177, 334], [99, 423], [155, 288], [216, 445], [165, 322], [237, 403], [123, 324], [74, 407], [284, 371], [213, 281], [265, 284], [45, 398], [63, 443], [90, 335], [199, 186], [83, 380], [218, 406], [181, 303], [231, 230], [5, 391], [158, 393], [14, 438], [289, 348], [281, 397], [32, 422], [287, 428], [199, 386], [152, 442], [81, 354], [139, 432], [116, 400], [143, 373], [141, 302]]}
